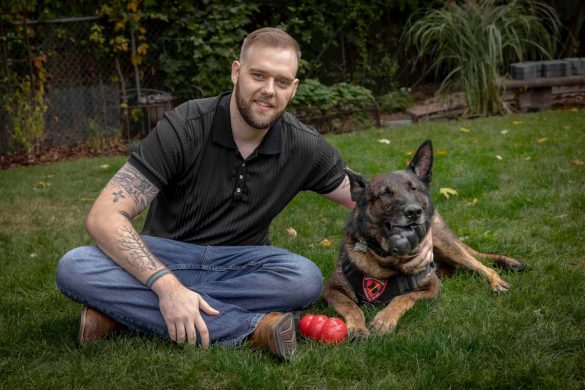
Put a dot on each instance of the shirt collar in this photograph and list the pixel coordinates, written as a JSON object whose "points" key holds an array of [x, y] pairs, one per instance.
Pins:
{"points": [[222, 129]]}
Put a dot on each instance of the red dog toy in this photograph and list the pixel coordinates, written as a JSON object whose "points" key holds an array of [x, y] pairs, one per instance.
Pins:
{"points": [[322, 328]]}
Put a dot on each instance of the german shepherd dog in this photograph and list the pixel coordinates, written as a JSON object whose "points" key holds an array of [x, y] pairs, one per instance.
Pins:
{"points": [[393, 214]]}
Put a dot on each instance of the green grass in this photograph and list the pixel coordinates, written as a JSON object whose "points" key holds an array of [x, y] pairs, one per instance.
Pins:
{"points": [[530, 205]]}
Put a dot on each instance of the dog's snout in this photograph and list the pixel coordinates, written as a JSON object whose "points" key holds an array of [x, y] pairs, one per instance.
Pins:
{"points": [[413, 211]]}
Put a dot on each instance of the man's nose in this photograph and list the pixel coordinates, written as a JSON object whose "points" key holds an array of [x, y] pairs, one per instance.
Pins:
{"points": [[268, 87]]}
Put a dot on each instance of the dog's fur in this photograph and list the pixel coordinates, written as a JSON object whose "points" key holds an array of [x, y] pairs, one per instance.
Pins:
{"points": [[393, 214]]}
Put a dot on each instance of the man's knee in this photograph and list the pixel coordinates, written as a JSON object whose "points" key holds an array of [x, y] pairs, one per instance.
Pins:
{"points": [[73, 269], [308, 284]]}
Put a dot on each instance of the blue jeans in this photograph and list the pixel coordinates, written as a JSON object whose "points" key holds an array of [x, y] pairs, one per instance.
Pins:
{"points": [[242, 282]]}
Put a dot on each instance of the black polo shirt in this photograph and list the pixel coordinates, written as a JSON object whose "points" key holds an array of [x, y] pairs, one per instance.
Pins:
{"points": [[210, 195]]}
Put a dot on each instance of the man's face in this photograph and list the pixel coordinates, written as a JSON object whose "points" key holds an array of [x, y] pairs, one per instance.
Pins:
{"points": [[264, 83]]}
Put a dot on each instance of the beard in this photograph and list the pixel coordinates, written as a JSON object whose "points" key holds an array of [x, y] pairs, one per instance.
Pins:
{"points": [[245, 109]]}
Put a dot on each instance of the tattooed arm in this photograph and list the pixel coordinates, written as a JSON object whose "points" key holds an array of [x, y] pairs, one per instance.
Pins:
{"points": [[341, 194], [109, 222]]}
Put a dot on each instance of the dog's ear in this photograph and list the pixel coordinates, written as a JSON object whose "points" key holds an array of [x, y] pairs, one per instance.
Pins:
{"points": [[357, 184], [422, 162]]}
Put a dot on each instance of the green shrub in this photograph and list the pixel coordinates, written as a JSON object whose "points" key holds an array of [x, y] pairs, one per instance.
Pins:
{"points": [[396, 101]]}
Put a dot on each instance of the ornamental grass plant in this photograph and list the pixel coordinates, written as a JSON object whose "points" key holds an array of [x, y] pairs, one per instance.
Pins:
{"points": [[469, 44], [520, 190]]}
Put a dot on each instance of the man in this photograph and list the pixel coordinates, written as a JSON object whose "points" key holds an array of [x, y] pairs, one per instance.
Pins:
{"points": [[215, 172]]}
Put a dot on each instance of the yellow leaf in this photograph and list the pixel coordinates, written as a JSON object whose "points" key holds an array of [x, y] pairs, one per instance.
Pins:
{"points": [[447, 192], [473, 202], [576, 162], [517, 122], [504, 131], [133, 6], [542, 140], [409, 153], [499, 157], [119, 25], [464, 130], [136, 60], [292, 233], [326, 243], [574, 109], [442, 152], [384, 141], [105, 166]]}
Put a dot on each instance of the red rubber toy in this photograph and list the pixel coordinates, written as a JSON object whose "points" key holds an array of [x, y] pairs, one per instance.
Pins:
{"points": [[323, 329]]}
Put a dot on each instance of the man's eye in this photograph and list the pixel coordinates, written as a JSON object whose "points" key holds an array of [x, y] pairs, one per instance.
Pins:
{"points": [[283, 83], [257, 76]]}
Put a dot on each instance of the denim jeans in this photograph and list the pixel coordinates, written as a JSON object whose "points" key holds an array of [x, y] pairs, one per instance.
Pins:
{"points": [[242, 282]]}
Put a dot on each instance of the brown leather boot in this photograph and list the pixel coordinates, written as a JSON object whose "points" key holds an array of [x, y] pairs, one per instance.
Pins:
{"points": [[94, 324], [276, 333]]}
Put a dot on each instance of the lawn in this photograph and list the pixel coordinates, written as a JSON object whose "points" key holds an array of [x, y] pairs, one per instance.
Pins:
{"points": [[521, 191]]}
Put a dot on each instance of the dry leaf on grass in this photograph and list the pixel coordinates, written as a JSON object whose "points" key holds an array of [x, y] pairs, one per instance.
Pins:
{"points": [[447, 192]]}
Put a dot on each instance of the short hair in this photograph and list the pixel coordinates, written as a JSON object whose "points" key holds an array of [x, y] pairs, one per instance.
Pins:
{"points": [[272, 37]]}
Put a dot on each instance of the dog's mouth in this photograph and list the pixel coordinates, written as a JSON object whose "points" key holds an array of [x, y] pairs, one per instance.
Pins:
{"points": [[405, 240]]}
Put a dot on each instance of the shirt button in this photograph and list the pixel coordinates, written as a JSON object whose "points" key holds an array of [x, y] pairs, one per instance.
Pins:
{"points": [[238, 190], [241, 176], [243, 164]]}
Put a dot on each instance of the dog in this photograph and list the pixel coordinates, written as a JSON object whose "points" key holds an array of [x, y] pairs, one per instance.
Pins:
{"points": [[393, 214]]}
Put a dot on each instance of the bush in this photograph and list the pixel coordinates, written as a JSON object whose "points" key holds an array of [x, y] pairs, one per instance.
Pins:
{"points": [[396, 101]]}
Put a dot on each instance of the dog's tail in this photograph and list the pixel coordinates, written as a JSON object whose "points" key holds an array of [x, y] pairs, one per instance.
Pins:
{"points": [[501, 261]]}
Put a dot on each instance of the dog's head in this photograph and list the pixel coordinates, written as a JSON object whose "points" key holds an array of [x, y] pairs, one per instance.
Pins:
{"points": [[394, 210]]}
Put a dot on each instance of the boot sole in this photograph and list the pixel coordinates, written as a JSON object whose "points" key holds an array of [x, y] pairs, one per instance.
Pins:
{"points": [[285, 337]]}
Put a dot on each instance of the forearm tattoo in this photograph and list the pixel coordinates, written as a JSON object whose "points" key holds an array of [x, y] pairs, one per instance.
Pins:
{"points": [[136, 252], [129, 182]]}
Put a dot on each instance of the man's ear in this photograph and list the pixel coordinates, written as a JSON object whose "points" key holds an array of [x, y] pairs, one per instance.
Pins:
{"points": [[295, 86], [235, 71], [357, 184], [422, 162]]}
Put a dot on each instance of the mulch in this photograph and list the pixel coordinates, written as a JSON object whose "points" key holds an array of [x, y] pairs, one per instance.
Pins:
{"points": [[61, 153]]}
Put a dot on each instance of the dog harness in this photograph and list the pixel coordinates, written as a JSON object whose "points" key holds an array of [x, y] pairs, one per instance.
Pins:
{"points": [[369, 289]]}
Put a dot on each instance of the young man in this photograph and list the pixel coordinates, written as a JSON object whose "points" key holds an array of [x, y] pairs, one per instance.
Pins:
{"points": [[215, 172]]}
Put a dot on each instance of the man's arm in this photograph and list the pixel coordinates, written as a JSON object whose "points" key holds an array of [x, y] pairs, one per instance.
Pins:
{"points": [[342, 194], [109, 222]]}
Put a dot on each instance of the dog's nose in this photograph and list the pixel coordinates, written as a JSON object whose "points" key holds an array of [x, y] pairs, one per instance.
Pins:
{"points": [[413, 211]]}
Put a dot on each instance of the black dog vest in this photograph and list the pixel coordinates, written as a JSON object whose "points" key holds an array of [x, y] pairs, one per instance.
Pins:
{"points": [[369, 289]]}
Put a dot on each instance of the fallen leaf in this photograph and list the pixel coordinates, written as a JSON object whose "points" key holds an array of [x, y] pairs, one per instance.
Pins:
{"points": [[409, 153], [464, 130], [517, 122], [473, 202], [33, 255], [43, 184], [504, 131], [577, 162], [528, 158], [292, 233], [384, 141], [447, 192], [326, 243], [105, 166], [574, 109], [499, 157], [542, 140], [442, 152]]}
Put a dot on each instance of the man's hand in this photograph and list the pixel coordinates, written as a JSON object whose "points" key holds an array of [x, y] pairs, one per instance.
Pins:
{"points": [[423, 258], [180, 307]]}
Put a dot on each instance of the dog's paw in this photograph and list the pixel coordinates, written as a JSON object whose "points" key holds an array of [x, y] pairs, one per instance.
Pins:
{"points": [[381, 324], [358, 333], [499, 285]]}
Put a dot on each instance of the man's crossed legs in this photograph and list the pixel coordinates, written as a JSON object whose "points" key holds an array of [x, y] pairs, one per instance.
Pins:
{"points": [[241, 282]]}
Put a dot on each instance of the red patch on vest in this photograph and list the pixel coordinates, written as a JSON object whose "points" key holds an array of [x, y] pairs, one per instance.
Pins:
{"points": [[373, 288]]}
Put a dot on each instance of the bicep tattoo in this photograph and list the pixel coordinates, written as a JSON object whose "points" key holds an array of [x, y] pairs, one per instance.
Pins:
{"points": [[130, 183]]}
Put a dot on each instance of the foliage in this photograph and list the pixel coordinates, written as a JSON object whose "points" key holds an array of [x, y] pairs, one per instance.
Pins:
{"points": [[26, 109], [473, 42], [314, 98], [315, 102], [201, 44], [395, 101]]}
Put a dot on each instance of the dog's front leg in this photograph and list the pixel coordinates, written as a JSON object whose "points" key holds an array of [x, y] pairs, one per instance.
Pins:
{"points": [[387, 319], [349, 310]]}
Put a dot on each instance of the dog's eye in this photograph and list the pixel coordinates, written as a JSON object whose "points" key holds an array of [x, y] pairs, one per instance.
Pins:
{"points": [[387, 192]]}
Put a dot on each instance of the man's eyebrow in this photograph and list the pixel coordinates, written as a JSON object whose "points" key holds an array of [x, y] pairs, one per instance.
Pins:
{"points": [[278, 76]]}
